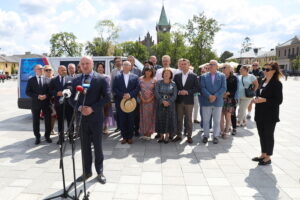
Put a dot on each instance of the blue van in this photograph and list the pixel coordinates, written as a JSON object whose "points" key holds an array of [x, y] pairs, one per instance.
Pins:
{"points": [[27, 64]]}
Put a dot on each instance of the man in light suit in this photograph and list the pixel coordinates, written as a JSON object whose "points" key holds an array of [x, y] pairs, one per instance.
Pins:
{"points": [[187, 85], [213, 87], [126, 85], [38, 89], [97, 95]]}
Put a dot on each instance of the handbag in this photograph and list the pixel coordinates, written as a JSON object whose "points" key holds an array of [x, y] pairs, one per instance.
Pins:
{"points": [[249, 92]]}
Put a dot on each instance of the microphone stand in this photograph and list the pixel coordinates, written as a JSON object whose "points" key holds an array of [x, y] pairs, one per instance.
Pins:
{"points": [[65, 193], [82, 138]]}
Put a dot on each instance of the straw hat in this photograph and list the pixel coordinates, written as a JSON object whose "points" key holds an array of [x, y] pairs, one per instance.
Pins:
{"points": [[128, 105]]}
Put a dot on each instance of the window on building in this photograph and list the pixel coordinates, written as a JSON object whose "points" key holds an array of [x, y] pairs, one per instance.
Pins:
{"points": [[293, 51], [289, 52], [285, 52], [297, 51], [278, 53]]}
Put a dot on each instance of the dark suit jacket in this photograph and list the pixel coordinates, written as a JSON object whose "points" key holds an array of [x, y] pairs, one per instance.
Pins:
{"points": [[55, 86], [120, 89], [191, 85], [269, 111], [97, 95], [33, 90]]}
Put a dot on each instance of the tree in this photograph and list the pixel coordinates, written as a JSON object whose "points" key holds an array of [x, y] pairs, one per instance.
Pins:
{"points": [[246, 45], [200, 32], [64, 44], [225, 55], [104, 43], [296, 64], [135, 49], [163, 47]]}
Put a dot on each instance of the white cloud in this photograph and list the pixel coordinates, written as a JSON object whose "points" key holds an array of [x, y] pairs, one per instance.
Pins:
{"points": [[265, 23], [86, 9]]}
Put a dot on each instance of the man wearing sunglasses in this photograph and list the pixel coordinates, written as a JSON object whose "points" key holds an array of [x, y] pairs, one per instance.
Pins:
{"points": [[259, 74], [38, 89]]}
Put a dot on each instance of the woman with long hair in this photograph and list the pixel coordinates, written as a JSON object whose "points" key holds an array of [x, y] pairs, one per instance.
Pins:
{"points": [[268, 99]]}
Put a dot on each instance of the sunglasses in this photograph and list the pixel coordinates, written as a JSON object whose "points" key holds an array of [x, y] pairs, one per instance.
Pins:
{"points": [[47, 70], [267, 69]]}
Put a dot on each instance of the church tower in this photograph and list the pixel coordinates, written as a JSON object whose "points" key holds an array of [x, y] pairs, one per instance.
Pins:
{"points": [[163, 26]]}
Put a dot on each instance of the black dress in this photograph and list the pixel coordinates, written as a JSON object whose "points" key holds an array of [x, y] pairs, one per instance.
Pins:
{"points": [[165, 116]]}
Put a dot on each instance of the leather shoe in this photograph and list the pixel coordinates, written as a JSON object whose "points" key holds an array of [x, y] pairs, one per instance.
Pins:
{"points": [[204, 140], [80, 178], [189, 140], [177, 138], [48, 140], [265, 162], [116, 130], [101, 178], [157, 136], [123, 141], [37, 141], [196, 122], [129, 141], [257, 159], [215, 140]]}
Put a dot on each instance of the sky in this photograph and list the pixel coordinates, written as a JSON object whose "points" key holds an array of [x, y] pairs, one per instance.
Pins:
{"points": [[27, 25]]}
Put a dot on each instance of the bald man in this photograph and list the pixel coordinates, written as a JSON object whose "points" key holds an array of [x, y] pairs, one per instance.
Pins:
{"points": [[38, 89], [98, 94], [57, 85]]}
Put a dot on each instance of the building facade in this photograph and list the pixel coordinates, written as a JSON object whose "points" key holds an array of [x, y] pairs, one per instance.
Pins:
{"points": [[287, 52]]}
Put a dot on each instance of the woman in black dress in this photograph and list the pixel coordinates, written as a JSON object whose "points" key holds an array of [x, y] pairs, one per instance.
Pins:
{"points": [[268, 98], [229, 100]]}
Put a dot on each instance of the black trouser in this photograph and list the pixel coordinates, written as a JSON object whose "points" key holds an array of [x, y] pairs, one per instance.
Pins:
{"points": [[92, 133], [127, 124], [266, 136], [233, 118], [36, 120], [61, 115]]}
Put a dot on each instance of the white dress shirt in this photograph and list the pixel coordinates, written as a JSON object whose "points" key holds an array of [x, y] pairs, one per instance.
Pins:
{"points": [[159, 72], [184, 78], [126, 78], [38, 80]]}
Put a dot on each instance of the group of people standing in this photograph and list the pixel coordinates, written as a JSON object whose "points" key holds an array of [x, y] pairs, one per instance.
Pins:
{"points": [[159, 99]]}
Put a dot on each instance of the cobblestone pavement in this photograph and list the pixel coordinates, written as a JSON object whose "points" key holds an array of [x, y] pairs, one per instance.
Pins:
{"points": [[148, 170]]}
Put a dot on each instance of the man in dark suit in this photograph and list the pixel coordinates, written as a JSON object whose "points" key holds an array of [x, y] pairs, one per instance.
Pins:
{"points": [[187, 85], [138, 72], [72, 70], [38, 89], [97, 95], [57, 85], [126, 85]]}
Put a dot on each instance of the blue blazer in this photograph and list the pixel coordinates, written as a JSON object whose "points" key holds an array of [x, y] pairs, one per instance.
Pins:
{"points": [[119, 87], [218, 88]]}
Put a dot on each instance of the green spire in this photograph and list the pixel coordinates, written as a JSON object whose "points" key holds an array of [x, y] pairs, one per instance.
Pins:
{"points": [[163, 21]]}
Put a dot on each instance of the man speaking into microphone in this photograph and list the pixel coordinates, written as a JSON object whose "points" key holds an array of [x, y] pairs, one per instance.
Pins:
{"points": [[96, 94]]}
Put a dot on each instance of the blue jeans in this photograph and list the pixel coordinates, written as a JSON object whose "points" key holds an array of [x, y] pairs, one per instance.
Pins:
{"points": [[215, 113], [201, 114]]}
